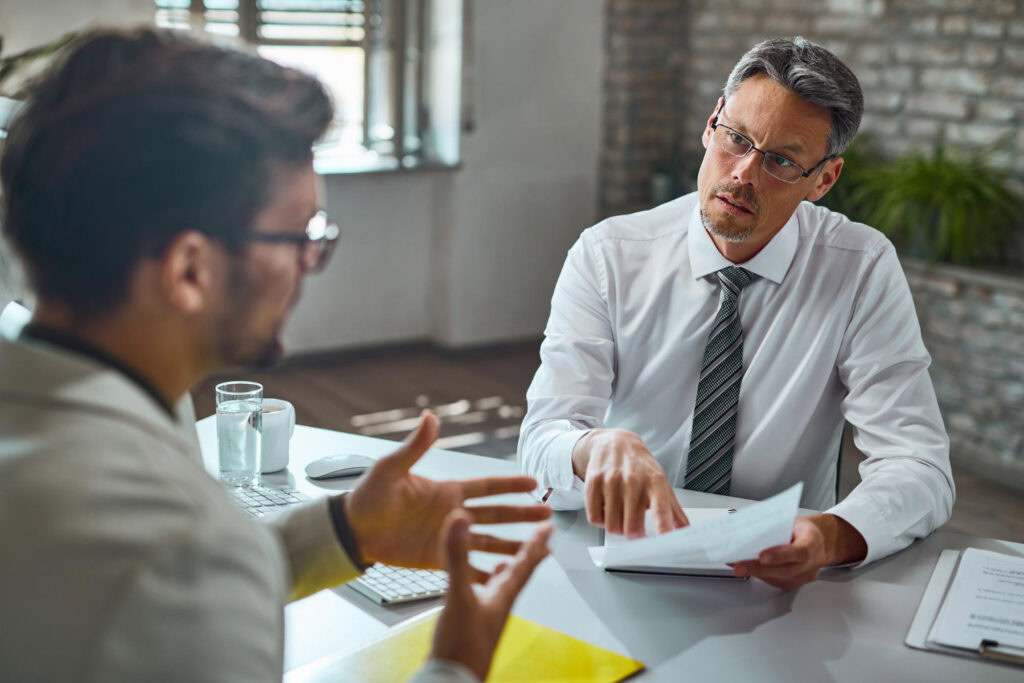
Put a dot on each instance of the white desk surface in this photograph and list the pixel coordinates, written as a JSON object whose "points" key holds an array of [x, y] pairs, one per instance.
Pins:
{"points": [[847, 626]]}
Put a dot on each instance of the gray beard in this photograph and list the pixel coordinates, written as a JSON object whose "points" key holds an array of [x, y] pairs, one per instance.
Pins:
{"points": [[725, 234]]}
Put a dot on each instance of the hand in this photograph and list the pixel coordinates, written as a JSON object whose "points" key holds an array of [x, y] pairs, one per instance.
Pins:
{"points": [[397, 516], [818, 541], [621, 480], [471, 622]]}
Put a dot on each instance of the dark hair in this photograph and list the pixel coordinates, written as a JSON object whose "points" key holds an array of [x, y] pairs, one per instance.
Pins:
{"points": [[135, 136]]}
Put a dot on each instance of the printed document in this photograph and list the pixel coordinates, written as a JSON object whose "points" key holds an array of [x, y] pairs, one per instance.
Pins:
{"points": [[984, 602], [712, 539]]}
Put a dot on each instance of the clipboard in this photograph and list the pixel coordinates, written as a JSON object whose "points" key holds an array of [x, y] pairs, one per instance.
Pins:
{"points": [[928, 610]]}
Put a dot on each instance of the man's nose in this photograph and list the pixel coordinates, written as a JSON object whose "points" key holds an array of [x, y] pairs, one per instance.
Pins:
{"points": [[747, 169]]}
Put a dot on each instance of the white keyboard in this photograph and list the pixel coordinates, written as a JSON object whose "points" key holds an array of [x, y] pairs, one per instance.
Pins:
{"points": [[387, 585], [261, 500], [384, 584]]}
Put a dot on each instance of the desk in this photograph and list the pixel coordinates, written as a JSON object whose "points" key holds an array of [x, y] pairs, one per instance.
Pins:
{"points": [[847, 626]]}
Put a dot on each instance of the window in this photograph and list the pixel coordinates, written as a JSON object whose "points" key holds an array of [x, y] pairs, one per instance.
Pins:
{"points": [[393, 68]]}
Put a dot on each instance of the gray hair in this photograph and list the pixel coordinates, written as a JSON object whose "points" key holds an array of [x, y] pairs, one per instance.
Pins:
{"points": [[813, 73]]}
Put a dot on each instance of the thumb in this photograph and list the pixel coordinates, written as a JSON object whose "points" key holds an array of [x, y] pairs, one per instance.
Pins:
{"points": [[415, 445], [455, 541]]}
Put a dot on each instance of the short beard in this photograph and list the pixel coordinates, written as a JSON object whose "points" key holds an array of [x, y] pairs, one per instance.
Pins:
{"points": [[233, 342], [729, 235]]}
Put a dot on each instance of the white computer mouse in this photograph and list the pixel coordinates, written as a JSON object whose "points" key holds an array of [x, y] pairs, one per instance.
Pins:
{"points": [[347, 465]]}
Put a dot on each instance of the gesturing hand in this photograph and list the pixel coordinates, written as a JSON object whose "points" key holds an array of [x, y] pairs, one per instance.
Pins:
{"points": [[621, 480], [471, 622], [397, 516]]}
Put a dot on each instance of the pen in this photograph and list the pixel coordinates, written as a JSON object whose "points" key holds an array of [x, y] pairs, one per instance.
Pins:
{"points": [[993, 650], [547, 494]]}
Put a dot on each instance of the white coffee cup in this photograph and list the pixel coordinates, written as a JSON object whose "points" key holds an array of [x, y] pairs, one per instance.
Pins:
{"points": [[278, 427]]}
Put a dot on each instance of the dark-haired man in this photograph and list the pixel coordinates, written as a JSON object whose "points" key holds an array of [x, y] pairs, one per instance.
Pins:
{"points": [[161, 196], [719, 341]]}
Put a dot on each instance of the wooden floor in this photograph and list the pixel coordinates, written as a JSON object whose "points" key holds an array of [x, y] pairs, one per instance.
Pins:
{"points": [[480, 398]]}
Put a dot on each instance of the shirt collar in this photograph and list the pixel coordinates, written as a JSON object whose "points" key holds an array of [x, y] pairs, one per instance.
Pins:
{"points": [[771, 263]]}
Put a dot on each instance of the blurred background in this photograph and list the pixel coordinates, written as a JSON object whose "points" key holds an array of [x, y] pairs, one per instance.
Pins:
{"points": [[475, 139]]}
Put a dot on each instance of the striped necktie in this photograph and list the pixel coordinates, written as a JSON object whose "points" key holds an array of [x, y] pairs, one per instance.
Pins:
{"points": [[709, 463]]}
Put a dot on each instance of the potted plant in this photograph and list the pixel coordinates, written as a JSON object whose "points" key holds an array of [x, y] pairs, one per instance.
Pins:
{"points": [[954, 206]]}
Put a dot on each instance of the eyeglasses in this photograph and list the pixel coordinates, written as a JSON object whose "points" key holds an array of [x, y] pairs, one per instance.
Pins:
{"points": [[317, 244], [774, 164]]}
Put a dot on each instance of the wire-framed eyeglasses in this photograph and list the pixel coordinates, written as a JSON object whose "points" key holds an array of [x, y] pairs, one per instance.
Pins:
{"points": [[776, 165]]}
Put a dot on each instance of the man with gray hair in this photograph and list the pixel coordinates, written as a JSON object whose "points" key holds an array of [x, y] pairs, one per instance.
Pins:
{"points": [[719, 342]]}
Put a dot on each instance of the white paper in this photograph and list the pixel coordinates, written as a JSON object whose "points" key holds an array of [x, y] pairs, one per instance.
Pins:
{"points": [[695, 516], [985, 601], [734, 537]]}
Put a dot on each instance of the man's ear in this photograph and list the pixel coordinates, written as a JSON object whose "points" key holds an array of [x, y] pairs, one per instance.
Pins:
{"points": [[190, 268], [705, 137], [826, 179]]}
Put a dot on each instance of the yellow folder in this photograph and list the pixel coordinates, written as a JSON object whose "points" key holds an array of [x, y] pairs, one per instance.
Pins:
{"points": [[527, 651]]}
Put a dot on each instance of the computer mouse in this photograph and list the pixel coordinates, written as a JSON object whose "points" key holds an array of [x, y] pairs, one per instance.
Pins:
{"points": [[347, 465]]}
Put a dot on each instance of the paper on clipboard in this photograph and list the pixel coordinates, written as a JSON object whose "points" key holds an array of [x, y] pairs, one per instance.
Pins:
{"points": [[984, 602], [719, 540]]}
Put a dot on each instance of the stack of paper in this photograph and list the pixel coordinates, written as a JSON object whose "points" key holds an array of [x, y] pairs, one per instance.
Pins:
{"points": [[709, 542]]}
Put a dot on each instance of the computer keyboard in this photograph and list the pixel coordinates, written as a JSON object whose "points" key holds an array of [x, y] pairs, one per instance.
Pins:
{"points": [[387, 585], [261, 500], [384, 584]]}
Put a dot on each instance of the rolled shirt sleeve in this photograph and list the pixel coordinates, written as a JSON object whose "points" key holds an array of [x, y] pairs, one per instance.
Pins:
{"points": [[906, 488]]}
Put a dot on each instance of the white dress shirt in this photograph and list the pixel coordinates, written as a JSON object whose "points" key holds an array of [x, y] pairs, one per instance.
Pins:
{"points": [[829, 333]]}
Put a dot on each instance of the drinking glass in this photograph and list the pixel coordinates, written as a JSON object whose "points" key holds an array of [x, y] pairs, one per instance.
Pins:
{"points": [[239, 432]]}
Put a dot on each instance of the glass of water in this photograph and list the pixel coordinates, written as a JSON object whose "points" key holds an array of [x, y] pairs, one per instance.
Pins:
{"points": [[239, 432]]}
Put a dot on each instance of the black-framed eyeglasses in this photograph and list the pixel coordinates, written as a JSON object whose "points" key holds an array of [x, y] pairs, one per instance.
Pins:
{"points": [[317, 244], [776, 165]]}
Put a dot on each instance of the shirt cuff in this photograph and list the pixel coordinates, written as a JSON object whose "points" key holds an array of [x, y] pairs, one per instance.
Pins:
{"points": [[316, 558], [444, 670], [561, 475], [566, 487], [863, 516]]}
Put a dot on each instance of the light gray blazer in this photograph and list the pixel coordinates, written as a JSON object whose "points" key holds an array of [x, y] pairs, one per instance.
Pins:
{"points": [[120, 558]]}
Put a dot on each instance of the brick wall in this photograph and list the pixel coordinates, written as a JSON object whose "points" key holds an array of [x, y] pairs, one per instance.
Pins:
{"points": [[646, 47], [932, 71], [973, 325]]}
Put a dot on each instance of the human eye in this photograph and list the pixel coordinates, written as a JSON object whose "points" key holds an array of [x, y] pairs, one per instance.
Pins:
{"points": [[735, 138], [781, 161]]}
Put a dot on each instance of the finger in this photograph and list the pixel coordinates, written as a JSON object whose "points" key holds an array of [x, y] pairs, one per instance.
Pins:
{"points": [[595, 501], [455, 537], [613, 507], [677, 511], [416, 444], [666, 515], [493, 544], [493, 486], [784, 554], [508, 514], [518, 572], [633, 509]]}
